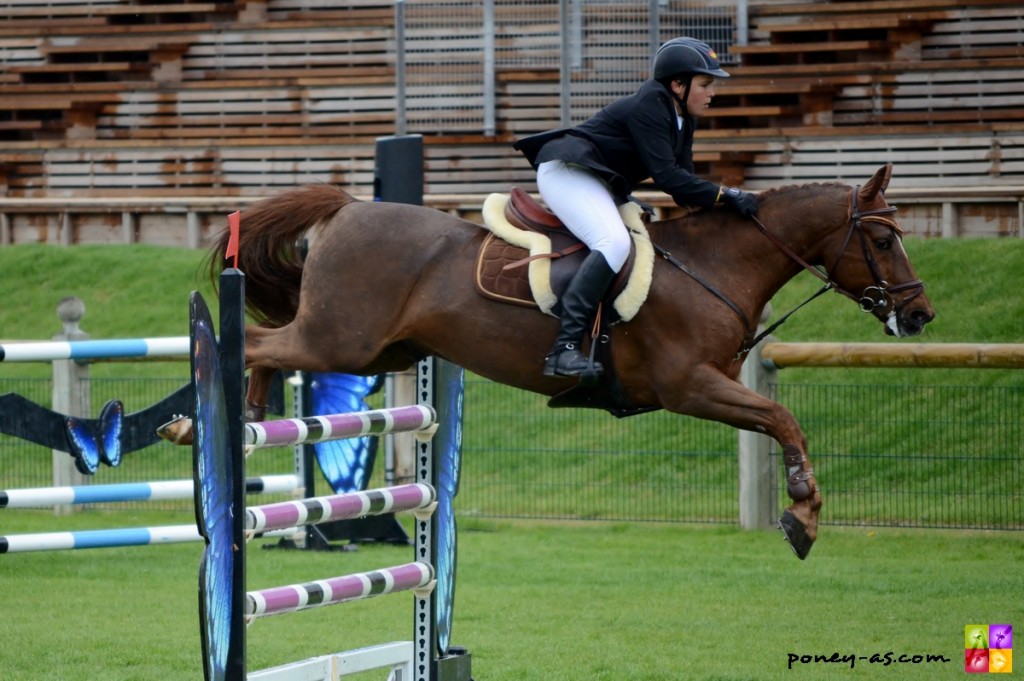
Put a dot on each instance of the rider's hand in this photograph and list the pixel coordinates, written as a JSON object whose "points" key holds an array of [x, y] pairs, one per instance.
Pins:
{"points": [[742, 202]]}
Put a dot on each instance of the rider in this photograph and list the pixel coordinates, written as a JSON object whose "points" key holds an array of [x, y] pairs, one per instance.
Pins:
{"points": [[584, 173]]}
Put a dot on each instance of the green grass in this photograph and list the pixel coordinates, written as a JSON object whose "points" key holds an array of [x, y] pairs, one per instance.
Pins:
{"points": [[968, 281], [541, 601], [560, 463], [550, 601], [129, 292], [143, 291], [134, 291]]}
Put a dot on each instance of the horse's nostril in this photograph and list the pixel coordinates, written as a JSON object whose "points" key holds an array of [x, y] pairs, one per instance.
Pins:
{"points": [[922, 316]]}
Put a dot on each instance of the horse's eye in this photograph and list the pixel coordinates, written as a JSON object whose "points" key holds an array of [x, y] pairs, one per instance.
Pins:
{"points": [[883, 244]]}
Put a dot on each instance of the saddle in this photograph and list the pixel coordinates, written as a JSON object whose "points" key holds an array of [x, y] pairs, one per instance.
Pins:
{"points": [[530, 257]]}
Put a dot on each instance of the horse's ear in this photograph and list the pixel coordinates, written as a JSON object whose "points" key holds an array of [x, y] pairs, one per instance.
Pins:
{"points": [[876, 184]]}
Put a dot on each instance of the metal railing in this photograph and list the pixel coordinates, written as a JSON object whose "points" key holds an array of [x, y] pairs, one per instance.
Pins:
{"points": [[580, 53], [898, 464]]}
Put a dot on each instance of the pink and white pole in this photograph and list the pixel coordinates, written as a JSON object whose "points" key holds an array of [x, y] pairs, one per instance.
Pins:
{"points": [[339, 589], [312, 429], [414, 497]]}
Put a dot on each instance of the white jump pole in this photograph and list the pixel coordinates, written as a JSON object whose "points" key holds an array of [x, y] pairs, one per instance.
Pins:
{"points": [[93, 350], [33, 497]]}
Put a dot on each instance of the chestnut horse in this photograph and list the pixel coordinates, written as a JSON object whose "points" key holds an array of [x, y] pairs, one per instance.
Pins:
{"points": [[385, 284]]}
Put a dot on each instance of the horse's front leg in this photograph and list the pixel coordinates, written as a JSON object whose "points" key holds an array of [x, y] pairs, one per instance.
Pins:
{"points": [[799, 522], [714, 396]]}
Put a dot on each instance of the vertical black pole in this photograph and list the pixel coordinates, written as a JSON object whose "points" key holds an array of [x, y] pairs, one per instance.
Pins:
{"points": [[308, 454], [398, 170], [232, 359]]}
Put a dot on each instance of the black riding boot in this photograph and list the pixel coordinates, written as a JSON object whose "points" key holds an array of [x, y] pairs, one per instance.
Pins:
{"points": [[579, 302]]}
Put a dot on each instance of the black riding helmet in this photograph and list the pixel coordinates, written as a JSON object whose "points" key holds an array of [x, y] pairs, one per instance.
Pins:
{"points": [[682, 59]]}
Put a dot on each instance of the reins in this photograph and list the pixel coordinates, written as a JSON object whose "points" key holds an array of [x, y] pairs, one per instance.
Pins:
{"points": [[678, 264], [874, 296]]}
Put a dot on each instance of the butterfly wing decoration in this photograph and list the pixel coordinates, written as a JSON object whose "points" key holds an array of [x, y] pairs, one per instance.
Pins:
{"points": [[91, 442], [84, 446], [212, 473], [346, 464], [111, 425], [450, 381]]}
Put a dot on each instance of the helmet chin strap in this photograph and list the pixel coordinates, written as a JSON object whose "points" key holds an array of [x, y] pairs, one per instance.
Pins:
{"points": [[684, 112]]}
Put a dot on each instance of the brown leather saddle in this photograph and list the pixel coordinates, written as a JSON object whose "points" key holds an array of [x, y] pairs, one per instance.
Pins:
{"points": [[503, 274], [502, 268]]}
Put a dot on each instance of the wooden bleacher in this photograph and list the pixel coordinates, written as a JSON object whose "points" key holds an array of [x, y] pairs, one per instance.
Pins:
{"points": [[929, 84], [121, 98]]}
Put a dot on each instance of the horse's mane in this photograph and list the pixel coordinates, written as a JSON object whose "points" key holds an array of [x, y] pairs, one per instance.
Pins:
{"points": [[765, 195], [701, 215], [790, 188]]}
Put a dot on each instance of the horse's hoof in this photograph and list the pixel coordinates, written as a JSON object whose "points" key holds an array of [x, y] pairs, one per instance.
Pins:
{"points": [[796, 534], [255, 413], [177, 431]]}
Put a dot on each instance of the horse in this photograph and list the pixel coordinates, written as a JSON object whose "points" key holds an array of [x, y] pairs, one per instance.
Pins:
{"points": [[384, 285]]}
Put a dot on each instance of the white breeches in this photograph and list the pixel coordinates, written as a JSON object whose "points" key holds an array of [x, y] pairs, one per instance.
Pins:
{"points": [[584, 203]]}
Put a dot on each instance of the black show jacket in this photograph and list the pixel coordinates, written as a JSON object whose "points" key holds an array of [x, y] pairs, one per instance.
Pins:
{"points": [[626, 142]]}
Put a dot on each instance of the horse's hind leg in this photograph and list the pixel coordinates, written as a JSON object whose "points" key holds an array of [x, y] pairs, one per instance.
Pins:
{"points": [[288, 348], [715, 396], [260, 374]]}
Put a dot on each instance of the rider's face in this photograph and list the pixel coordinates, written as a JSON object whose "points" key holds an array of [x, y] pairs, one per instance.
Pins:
{"points": [[702, 91]]}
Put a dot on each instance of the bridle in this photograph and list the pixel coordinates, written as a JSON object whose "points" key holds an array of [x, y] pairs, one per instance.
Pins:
{"points": [[879, 294], [876, 295]]}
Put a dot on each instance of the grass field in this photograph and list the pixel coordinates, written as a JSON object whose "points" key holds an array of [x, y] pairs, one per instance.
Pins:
{"points": [[541, 600]]}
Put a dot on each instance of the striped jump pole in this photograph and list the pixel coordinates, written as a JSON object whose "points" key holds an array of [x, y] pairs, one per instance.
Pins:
{"points": [[132, 491], [127, 348], [99, 539], [226, 607], [347, 506], [108, 539], [417, 575], [312, 429]]}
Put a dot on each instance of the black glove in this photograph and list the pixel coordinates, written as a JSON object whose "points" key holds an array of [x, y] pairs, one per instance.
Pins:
{"points": [[743, 203]]}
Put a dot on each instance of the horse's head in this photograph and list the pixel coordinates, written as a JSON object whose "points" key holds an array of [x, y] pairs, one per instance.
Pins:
{"points": [[871, 266]]}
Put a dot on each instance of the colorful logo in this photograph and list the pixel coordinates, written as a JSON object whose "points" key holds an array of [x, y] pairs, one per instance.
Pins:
{"points": [[988, 648]]}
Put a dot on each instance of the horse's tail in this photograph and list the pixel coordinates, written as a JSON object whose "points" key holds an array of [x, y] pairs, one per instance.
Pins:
{"points": [[269, 248]]}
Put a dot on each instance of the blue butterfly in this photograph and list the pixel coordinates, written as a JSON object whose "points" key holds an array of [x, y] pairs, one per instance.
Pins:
{"points": [[212, 472], [346, 464], [450, 382], [94, 441]]}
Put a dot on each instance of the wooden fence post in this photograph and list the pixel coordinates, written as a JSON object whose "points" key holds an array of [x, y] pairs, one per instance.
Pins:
{"points": [[399, 448], [757, 490], [70, 393]]}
